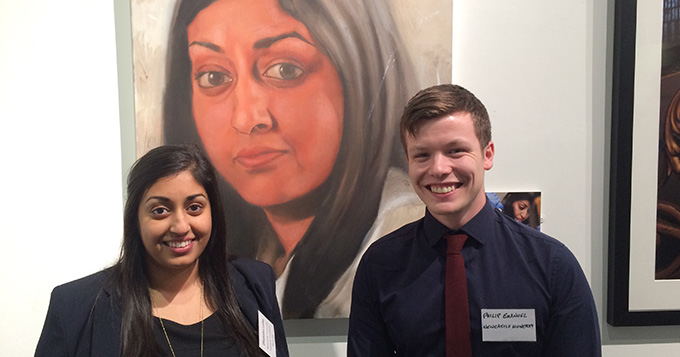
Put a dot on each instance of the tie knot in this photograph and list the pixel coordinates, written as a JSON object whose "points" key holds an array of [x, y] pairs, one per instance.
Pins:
{"points": [[455, 242]]}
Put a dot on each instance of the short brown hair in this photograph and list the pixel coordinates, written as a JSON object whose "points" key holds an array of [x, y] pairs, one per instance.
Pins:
{"points": [[440, 100]]}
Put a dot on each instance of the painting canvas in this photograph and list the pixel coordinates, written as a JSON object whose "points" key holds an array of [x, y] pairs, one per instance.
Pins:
{"points": [[297, 104]]}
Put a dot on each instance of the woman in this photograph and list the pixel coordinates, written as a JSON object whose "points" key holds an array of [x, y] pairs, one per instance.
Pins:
{"points": [[296, 103], [173, 289], [522, 207]]}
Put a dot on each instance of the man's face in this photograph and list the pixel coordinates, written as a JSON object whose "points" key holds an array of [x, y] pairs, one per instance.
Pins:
{"points": [[446, 165]]}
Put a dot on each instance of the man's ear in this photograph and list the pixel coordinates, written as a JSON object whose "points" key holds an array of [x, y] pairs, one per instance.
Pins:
{"points": [[489, 151]]}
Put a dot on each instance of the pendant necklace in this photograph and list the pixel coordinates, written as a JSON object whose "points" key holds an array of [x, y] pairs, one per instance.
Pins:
{"points": [[200, 316]]}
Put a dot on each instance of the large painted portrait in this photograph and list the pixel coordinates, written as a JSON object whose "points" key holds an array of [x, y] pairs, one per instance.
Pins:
{"points": [[297, 103]]}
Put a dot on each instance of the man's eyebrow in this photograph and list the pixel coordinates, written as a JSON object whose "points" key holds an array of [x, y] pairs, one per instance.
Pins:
{"points": [[208, 45], [268, 41]]}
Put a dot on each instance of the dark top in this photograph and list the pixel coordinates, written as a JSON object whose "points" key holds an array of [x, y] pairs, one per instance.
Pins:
{"points": [[398, 295], [84, 316], [186, 339]]}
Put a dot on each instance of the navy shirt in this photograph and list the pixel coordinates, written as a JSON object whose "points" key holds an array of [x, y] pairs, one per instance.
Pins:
{"points": [[398, 294]]}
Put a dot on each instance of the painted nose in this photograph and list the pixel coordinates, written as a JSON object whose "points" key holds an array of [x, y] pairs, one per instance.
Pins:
{"points": [[180, 224], [251, 115]]}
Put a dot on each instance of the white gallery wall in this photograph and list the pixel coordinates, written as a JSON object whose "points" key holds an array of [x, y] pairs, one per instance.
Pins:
{"points": [[540, 66]]}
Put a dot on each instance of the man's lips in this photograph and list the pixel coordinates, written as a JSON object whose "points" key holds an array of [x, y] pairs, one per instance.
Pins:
{"points": [[442, 188], [254, 158]]}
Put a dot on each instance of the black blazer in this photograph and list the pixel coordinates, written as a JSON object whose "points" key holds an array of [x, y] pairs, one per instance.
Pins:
{"points": [[84, 318]]}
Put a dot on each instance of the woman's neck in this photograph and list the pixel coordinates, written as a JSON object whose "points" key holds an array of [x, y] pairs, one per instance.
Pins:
{"points": [[171, 280], [177, 294]]}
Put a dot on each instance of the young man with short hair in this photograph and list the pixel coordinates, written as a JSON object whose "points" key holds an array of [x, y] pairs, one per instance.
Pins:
{"points": [[501, 288]]}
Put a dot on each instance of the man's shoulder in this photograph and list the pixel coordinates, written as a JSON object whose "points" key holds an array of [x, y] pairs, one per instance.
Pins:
{"points": [[394, 243], [524, 233]]}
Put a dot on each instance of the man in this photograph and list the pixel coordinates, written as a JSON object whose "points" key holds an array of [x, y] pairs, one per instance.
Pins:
{"points": [[526, 293]]}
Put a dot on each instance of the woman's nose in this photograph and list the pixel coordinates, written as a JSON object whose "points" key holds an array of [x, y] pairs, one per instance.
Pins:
{"points": [[251, 114], [179, 224]]}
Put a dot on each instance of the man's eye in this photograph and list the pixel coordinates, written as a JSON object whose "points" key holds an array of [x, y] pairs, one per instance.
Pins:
{"points": [[284, 71], [212, 79]]}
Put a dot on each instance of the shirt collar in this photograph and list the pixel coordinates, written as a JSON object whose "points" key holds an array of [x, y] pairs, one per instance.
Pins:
{"points": [[480, 227]]}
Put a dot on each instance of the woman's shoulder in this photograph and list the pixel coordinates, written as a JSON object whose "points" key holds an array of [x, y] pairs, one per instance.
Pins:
{"points": [[250, 269], [85, 286], [254, 284]]}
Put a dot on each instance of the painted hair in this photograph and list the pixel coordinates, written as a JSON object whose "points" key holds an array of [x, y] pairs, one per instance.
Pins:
{"points": [[129, 275], [440, 100], [362, 42]]}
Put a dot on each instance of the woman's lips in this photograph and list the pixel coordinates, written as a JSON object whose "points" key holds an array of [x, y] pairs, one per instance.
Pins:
{"points": [[255, 158]]}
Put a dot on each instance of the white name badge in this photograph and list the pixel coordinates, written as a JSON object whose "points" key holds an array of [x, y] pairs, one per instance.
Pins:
{"points": [[502, 325], [266, 335]]}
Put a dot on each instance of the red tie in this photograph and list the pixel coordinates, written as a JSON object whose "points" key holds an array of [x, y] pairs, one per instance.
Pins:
{"points": [[457, 309]]}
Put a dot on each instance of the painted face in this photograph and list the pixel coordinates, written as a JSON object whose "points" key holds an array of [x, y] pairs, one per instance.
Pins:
{"points": [[266, 101], [521, 210], [446, 166], [174, 221]]}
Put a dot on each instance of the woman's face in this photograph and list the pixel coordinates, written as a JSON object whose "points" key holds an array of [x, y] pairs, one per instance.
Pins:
{"points": [[174, 221], [521, 210], [267, 102]]}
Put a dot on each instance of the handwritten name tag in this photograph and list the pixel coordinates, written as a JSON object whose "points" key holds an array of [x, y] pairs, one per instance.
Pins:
{"points": [[266, 335], [501, 325]]}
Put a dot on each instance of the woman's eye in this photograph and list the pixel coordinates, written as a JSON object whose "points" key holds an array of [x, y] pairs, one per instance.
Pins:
{"points": [[284, 71], [158, 211], [212, 79], [194, 208]]}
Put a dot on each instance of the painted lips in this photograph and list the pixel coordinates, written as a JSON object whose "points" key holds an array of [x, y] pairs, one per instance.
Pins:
{"points": [[258, 157]]}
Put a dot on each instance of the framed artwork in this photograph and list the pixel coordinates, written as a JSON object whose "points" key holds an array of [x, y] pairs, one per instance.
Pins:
{"points": [[296, 102], [643, 286]]}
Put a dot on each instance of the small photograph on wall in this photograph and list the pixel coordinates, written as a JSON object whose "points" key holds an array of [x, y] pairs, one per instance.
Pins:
{"points": [[524, 207], [668, 199], [296, 103]]}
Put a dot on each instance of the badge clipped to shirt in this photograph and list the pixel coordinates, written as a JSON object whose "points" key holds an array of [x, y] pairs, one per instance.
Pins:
{"points": [[266, 335], [508, 325]]}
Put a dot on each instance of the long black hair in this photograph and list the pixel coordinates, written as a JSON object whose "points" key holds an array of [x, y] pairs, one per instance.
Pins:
{"points": [[361, 40], [130, 276]]}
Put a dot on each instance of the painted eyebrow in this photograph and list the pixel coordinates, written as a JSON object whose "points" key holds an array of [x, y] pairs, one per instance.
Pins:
{"points": [[268, 41], [263, 43], [208, 45]]}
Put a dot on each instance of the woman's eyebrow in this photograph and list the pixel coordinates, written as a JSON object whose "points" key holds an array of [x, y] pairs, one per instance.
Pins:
{"points": [[208, 45], [268, 41]]}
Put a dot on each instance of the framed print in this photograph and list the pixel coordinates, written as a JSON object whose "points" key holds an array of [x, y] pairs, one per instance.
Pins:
{"points": [[523, 206], [642, 286]]}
